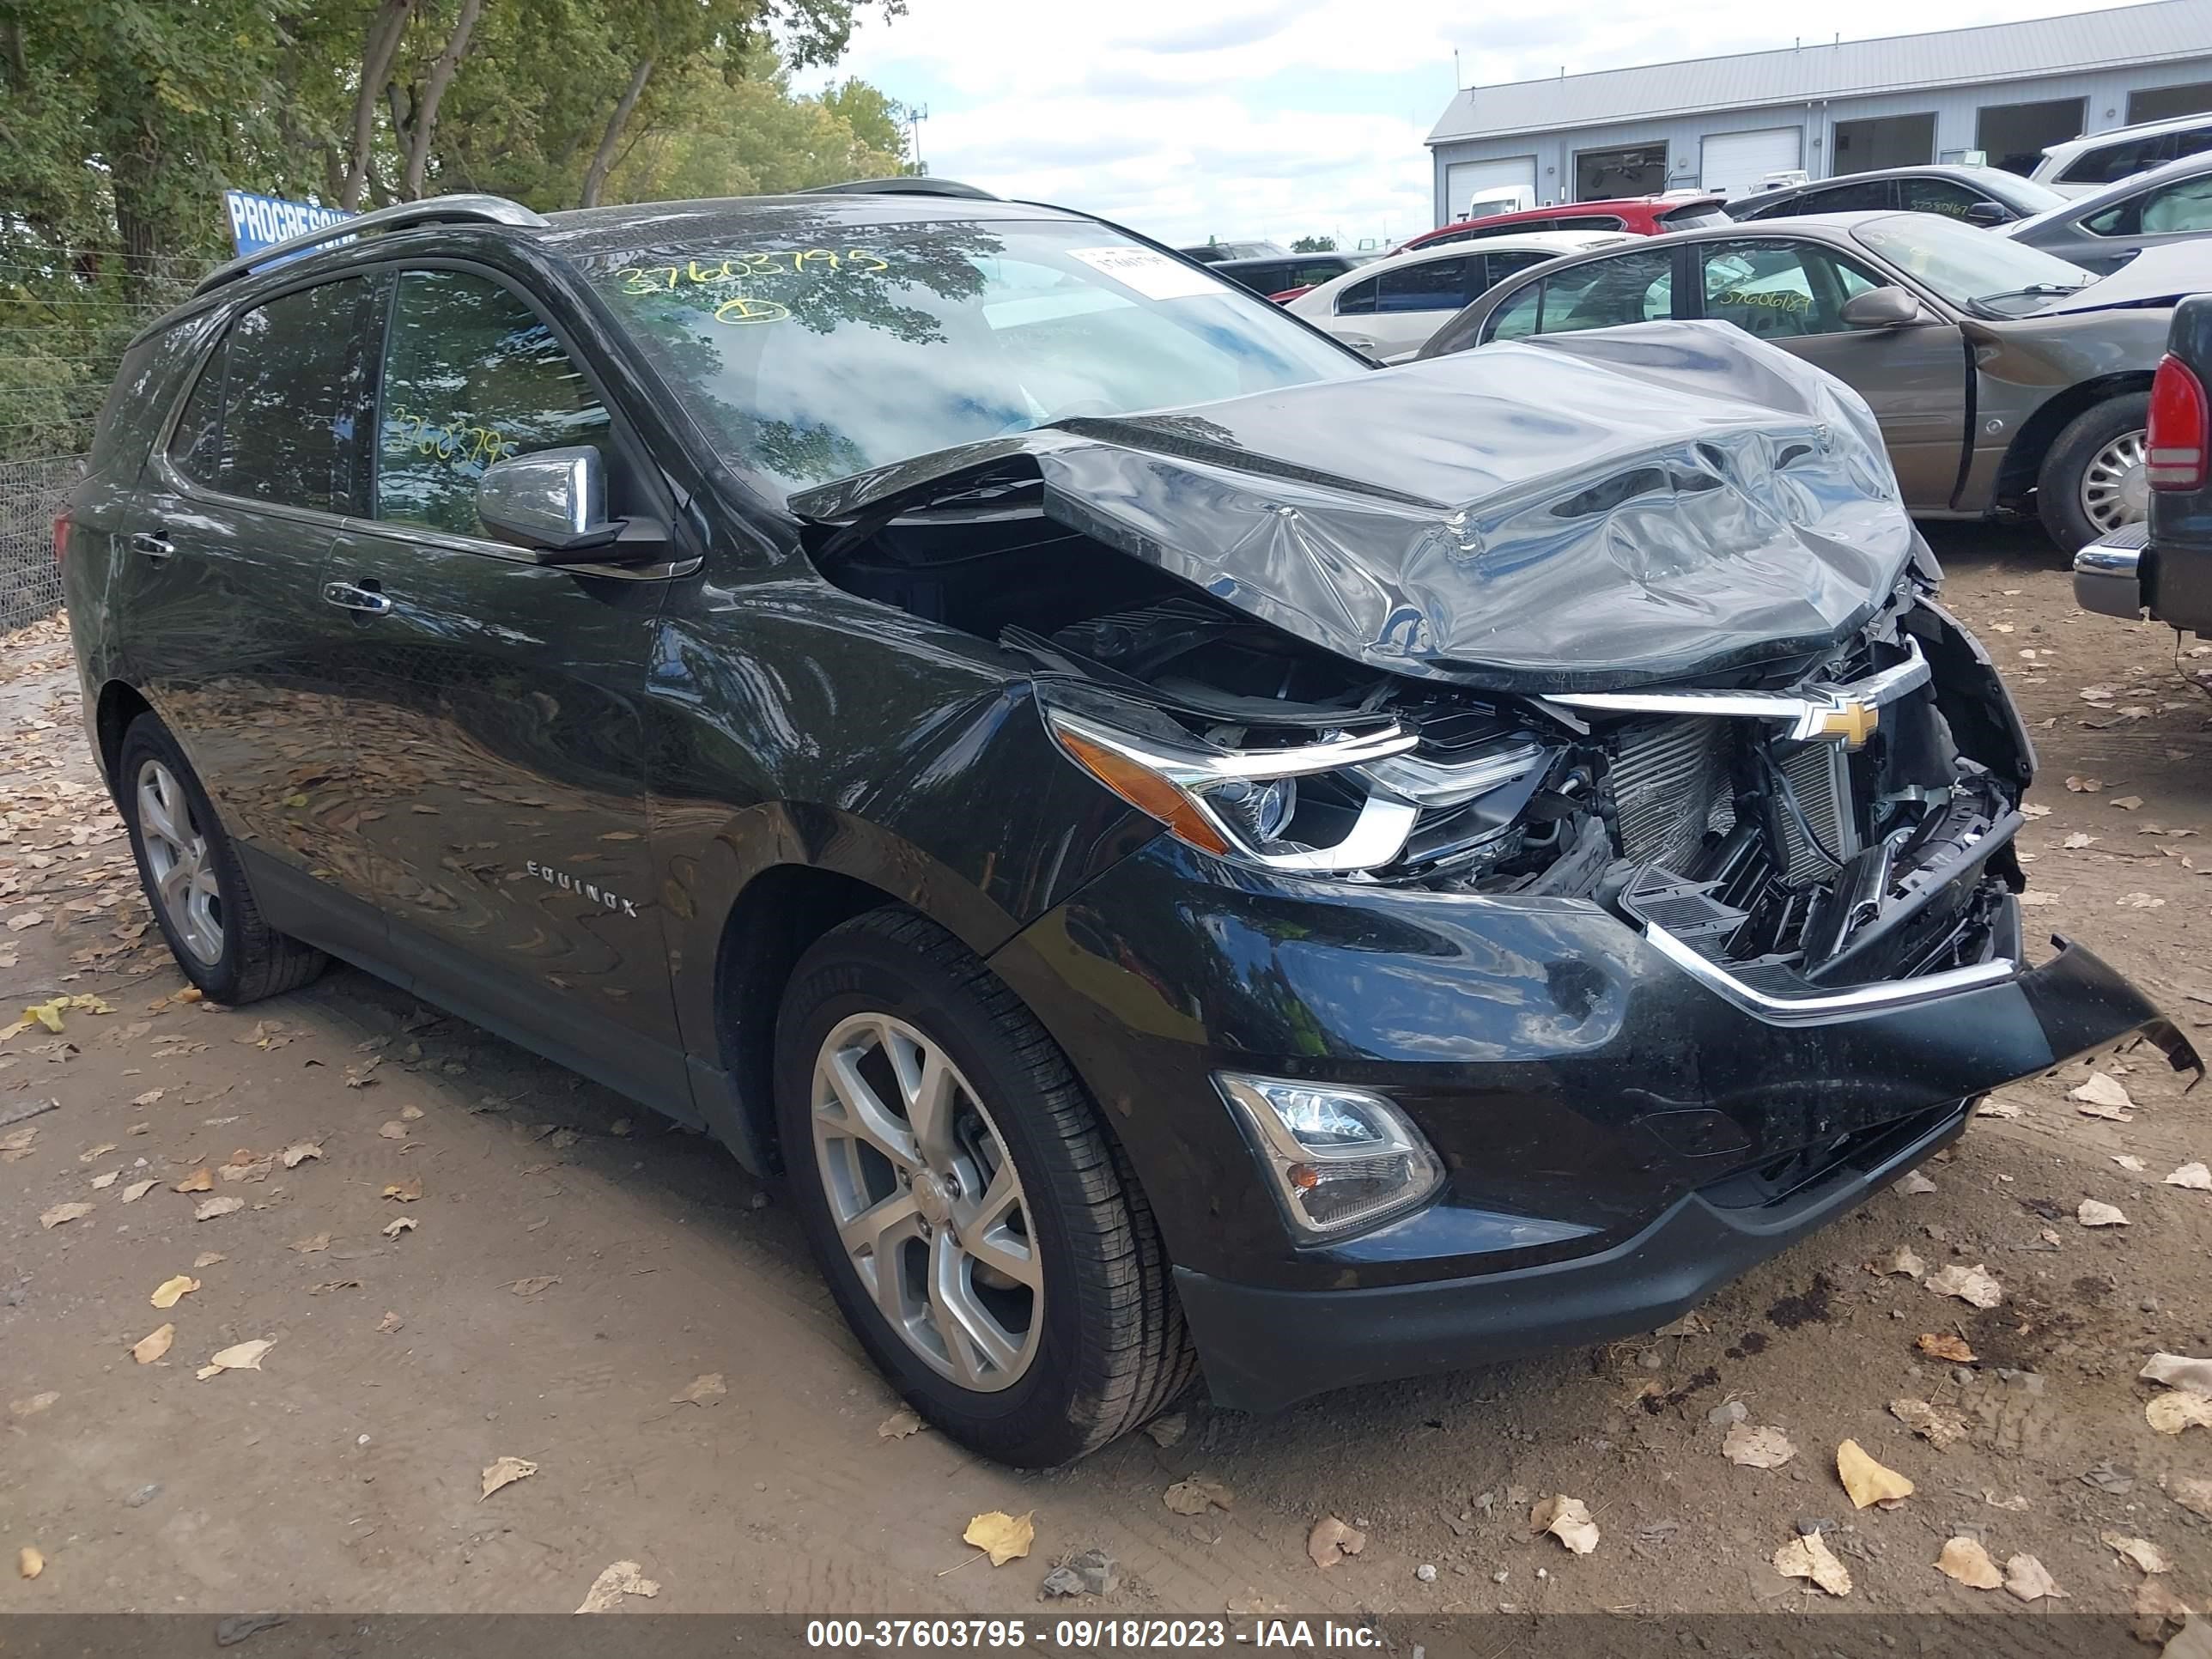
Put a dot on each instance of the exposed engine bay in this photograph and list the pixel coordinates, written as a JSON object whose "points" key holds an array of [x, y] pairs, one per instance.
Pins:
{"points": [[1817, 819]]}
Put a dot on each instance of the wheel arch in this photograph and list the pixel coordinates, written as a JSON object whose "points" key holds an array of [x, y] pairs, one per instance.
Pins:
{"points": [[120, 704], [2032, 442]]}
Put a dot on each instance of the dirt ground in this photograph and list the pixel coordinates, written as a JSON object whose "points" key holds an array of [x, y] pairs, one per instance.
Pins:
{"points": [[574, 1268]]}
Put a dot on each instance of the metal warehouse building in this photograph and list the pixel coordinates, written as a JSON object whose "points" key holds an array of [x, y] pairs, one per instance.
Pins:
{"points": [[1720, 124]]}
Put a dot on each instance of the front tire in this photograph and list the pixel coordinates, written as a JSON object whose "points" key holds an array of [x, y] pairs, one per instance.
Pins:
{"points": [[981, 1233], [2092, 480], [192, 879]]}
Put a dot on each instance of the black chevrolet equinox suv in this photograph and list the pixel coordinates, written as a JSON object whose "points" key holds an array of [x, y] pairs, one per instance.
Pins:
{"points": [[1189, 850]]}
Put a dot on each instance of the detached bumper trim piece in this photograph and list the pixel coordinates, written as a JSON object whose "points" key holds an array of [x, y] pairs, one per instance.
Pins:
{"points": [[1833, 1005], [2107, 573]]}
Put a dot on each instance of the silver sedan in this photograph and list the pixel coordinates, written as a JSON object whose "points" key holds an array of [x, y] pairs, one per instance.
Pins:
{"points": [[2109, 227]]}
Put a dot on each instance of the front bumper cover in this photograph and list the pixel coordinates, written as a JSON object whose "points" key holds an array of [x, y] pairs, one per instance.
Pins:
{"points": [[1618, 1138], [1265, 1348]]}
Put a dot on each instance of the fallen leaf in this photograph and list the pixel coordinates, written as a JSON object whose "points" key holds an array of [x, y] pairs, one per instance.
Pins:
{"points": [[1915, 1182], [138, 1189], [2129, 1162], [206, 1258], [2127, 803], [54, 1217], [505, 1472], [299, 1152], [1995, 1108], [92, 1154], [899, 1424], [101, 1183], [1756, 1449], [706, 1389], [1167, 1429], [2015, 1504], [1940, 1427], [534, 1283], [406, 1224], [2178, 1370], [2193, 1492], [33, 1405], [2025, 1577], [393, 1130], [2141, 1551], [240, 1356], [1001, 1536], [1971, 1284], [201, 1180], [170, 1292], [621, 1578], [151, 1097], [1902, 1260], [2194, 1177], [2172, 1413], [390, 1323], [310, 1245], [1331, 1540], [2140, 902], [2095, 1214], [1809, 1557], [29, 1562], [152, 1346], [16, 1144], [2104, 1091], [1568, 1520], [410, 1113], [405, 1191], [360, 1077], [2157, 1609], [1969, 1562], [2077, 840], [215, 1206], [1866, 1480], [1941, 1345], [1196, 1495]]}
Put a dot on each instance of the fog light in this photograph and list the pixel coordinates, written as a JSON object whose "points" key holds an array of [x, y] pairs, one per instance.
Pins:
{"points": [[1338, 1160]]}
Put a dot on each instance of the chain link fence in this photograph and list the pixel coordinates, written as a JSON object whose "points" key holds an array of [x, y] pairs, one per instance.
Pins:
{"points": [[32, 494], [66, 315]]}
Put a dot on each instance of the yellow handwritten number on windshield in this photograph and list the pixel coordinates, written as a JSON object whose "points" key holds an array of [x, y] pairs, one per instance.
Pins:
{"points": [[744, 309]]}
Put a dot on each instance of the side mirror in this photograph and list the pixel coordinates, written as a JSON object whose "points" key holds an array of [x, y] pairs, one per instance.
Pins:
{"points": [[1880, 307], [1987, 214], [554, 503]]}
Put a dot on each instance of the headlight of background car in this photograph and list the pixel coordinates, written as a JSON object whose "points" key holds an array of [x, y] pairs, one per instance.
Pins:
{"points": [[1331, 804], [1338, 1159]]}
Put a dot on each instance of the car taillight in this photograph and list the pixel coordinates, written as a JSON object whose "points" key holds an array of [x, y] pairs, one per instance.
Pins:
{"points": [[2176, 441], [61, 538]]}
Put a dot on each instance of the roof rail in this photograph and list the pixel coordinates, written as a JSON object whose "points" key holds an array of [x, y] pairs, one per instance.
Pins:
{"points": [[458, 209], [913, 185]]}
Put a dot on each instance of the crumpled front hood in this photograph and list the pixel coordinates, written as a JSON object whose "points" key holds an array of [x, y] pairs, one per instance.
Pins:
{"points": [[1588, 510]]}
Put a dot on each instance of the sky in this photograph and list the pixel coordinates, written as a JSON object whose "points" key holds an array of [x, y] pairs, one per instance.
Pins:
{"points": [[1241, 118]]}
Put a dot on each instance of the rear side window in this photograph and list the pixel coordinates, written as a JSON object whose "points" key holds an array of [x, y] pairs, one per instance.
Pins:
{"points": [[2184, 207], [1358, 299], [2116, 161], [1630, 287], [1427, 285], [1582, 221], [471, 376], [274, 416]]}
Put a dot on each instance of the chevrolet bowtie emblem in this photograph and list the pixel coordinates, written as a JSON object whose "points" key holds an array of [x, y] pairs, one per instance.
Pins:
{"points": [[1854, 722]]}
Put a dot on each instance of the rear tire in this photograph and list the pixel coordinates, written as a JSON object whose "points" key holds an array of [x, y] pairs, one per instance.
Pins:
{"points": [[192, 879], [2088, 486], [1081, 1340]]}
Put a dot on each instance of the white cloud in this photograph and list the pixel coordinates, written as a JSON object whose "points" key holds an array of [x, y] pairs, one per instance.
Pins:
{"points": [[1270, 117]]}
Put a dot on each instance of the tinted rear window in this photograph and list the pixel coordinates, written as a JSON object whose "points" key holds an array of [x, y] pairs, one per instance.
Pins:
{"points": [[275, 416]]}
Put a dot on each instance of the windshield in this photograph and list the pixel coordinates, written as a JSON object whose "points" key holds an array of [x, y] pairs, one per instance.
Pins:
{"points": [[1973, 269], [809, 363]]}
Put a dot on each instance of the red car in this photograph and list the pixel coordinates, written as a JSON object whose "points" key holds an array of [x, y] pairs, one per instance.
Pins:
{"points": [[1640, 215]]}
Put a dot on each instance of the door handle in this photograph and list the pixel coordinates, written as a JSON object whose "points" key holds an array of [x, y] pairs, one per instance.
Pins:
{"points": [[153, 543], [349, 596]]}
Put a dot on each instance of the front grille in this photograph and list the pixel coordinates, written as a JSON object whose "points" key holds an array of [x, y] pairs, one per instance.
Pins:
{"points": [[1670, 785]]}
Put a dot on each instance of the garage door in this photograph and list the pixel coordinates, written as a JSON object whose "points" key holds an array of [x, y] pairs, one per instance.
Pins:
{"points": [[1467, 181], [1733, 163]]}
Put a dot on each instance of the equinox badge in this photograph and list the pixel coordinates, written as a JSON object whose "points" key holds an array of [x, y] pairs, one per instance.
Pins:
{"points": [[569, 884]]}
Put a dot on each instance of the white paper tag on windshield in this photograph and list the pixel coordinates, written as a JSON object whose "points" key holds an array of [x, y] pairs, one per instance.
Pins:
{"points": [[1152, 275]]}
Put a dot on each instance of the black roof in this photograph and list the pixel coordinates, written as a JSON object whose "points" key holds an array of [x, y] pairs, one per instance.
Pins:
{"points": [[586, 231]]}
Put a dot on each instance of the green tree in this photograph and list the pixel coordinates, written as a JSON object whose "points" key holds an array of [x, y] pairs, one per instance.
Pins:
{"points": [[1314, 245]]}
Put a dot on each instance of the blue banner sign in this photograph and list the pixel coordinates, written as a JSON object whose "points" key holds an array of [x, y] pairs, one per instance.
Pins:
{"points": [[260, 221]]}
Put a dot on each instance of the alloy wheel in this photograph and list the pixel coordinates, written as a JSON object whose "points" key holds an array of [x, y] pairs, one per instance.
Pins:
{"points": [[926, 1202], [179, 862], [2115, 489]]}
